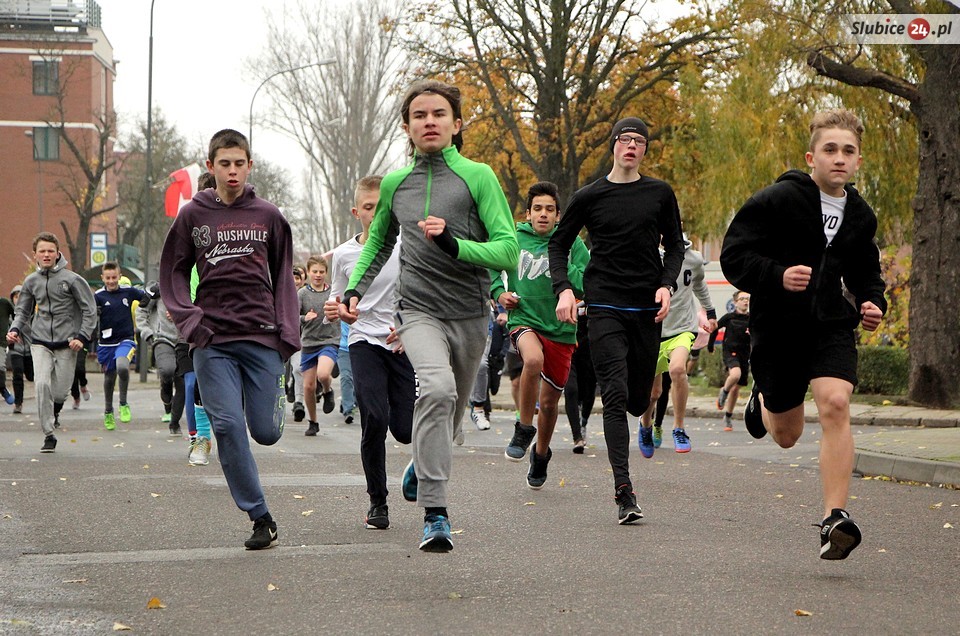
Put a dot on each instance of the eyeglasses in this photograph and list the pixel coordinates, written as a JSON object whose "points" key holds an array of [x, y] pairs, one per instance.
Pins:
{"points": [[626, 139]]}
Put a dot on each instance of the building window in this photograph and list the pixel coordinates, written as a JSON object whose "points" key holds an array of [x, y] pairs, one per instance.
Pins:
{"points": [[46, 78], [46, 144]]}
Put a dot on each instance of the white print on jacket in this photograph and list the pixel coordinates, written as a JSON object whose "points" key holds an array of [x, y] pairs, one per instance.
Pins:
{"points": [[532, 267]]}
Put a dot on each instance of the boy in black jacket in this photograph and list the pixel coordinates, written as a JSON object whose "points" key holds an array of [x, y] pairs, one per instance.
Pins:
{"points": [[804, 249]]}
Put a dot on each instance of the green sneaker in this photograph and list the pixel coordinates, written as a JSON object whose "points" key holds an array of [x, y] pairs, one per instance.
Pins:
{"points": [[657, 436], [108, 422], [125, 413], [166, 419]]}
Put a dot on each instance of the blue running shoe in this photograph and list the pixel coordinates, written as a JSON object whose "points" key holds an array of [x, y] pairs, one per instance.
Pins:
{"points": [[9, 397], [681, 443], [657, 435], [408, 483], [436, 534], [645, 439]]}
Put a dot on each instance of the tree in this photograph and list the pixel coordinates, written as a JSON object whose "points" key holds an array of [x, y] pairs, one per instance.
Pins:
{"points": [[552, 76], [935, 278], [345, 115], [82, 180]]}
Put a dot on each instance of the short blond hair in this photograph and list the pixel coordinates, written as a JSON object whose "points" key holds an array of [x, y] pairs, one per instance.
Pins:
{"points": [[366, 184], [836, 118]]}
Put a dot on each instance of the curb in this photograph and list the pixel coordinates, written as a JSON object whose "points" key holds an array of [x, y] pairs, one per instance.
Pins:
{"points": [[906, 468]]}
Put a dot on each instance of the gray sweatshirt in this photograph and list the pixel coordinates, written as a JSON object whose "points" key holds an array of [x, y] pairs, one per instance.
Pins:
{"points": [[683, 307], [153, 323], [59, 306]]}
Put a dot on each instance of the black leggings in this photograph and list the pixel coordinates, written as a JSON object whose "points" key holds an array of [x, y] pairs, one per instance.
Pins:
{"points": [[79, 375], [580, 392], [22, 367]]}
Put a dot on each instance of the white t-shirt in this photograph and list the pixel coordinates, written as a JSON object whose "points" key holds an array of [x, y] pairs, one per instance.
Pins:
{"points": [[377, 305], [832, 210]]}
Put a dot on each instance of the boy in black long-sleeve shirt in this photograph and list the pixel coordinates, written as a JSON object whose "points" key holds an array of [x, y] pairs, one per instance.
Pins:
{"points": [[804, 248], [627, 287], [736, 354]]}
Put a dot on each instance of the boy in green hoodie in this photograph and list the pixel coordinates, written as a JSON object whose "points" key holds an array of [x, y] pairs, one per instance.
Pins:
{"points": [[545, 344]]}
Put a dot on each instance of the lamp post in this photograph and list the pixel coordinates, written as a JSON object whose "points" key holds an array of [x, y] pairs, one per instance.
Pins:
{"points": [[270, 77], [148, 178], [36, 157]]}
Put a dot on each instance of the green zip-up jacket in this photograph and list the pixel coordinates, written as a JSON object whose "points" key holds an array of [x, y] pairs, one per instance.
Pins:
{"points": [[467, 195], [532, 282]]}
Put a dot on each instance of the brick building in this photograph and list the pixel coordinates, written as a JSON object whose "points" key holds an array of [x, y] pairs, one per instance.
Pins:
{"points": [[58, 72]]}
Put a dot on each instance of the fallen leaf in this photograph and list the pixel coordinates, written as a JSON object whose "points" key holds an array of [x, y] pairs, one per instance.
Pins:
{"points": [[530, 503], [886, 403], [17, 443], [800, 612], [563, 482], [456, 531], [947, 525], [298, 496], [75, 581], [307, 513], [794, 465], [454, 596], [283, 450], [936, 506], [63, 479], [881, 550], [8, 516], [34, 459], [155, 603], [13, 483], [73, 441], [120, 627], [769, 473], [154, 494], [120, 445], [779, 496], [146, 466], [271, 587], [852, 497], [867, 478]]}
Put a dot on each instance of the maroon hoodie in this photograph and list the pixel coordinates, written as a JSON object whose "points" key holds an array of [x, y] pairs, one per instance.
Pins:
{"points": [[244, 258]]}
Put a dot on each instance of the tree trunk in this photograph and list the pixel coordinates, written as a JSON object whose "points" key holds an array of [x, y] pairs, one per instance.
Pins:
{"points": [[935, 277]]}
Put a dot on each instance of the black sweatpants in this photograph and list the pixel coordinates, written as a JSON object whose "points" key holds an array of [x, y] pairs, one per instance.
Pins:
{"points": [[624, 346], [580, 392], [385, 387]]}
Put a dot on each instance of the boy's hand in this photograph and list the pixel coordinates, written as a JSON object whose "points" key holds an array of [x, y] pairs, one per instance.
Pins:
{"points": [[310, 315], [75, 345], [870, 316], [663, 298], [502, 318], [711, 325], [796, 278], [395, 337], [508, 301], [432, 226], [13, 337], [349, 313], [566, 307]]}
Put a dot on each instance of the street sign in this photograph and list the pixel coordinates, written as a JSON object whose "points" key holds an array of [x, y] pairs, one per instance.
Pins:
{"points": [[98, 248]]}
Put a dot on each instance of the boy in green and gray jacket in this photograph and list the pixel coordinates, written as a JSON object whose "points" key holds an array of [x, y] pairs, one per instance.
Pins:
{"points": [[545, 343]]}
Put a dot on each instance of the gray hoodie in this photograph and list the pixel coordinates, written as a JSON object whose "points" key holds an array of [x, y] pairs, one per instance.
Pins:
{"points": [[59, 305], [691, 287], [154, 324]]}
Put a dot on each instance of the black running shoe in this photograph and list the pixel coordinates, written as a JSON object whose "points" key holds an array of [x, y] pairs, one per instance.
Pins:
{"points": [[537, 475], [264, 535], [839, 535], [753, 416], [328, 402], [312, 429], [49, 444], [522, 436], [299, 412], [378, 517], [628, 511]]}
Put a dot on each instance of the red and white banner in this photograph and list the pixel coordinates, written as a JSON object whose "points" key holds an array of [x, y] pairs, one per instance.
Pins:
{"points": [[182, 189]]}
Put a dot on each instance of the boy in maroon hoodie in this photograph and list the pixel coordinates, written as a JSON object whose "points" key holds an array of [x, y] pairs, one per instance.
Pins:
{"points": [[243, 323]]}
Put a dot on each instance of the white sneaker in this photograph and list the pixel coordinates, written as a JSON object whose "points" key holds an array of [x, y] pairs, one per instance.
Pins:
{"points": [[458, 438], [199, 452], [480, 419]]}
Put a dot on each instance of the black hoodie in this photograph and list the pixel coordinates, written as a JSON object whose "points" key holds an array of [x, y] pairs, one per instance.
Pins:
{"points": [[782, 226]]}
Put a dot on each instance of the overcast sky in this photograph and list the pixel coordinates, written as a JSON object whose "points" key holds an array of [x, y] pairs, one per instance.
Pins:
{"points": [[199, 50]]}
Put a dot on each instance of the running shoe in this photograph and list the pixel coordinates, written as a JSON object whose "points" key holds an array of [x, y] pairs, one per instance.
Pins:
{"points": [[645, 439], [8, 397], [328, 402], [657, 435], [125, 415], [480, 419], [839, 535], [436, 534], [753, 415], [18, 408], [312, 429], [378, 517], [408, 483], [76, 403], [727, 422], [85, 394], [174, 430], [264, 535], [299, 412], [579, 446], [537, 475], [348, 417], [199, 452], [681, 443], [722, 398], [109, 422], [628, 510], [49, 444], [522, 436], [167, 417]]}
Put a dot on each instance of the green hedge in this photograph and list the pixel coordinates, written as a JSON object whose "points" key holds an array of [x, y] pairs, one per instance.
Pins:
{"points": [[883, 370]]}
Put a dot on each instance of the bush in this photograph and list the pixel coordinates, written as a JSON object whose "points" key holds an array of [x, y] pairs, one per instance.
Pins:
{"points": [[712, 366], [883, 370]]}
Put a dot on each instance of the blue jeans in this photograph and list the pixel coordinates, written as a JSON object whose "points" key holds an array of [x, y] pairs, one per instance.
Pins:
{"points": [[242, 384]]}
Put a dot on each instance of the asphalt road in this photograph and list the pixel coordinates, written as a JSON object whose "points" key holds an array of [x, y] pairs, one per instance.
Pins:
{"points": [[90, 534]]}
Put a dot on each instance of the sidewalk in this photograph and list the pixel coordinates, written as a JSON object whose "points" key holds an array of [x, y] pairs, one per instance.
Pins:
{"points": [[909, 444]]}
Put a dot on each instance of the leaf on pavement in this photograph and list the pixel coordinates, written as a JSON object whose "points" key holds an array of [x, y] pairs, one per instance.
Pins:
{"points": [[298, 496], [120, 445], [307, 513], [271, 587], [75, 581], [779, 496], [882, 550], [63, 479], [155, 603], [154, 494], [936, 506], [120, 627], [145, 466], [563, 482], [456, 531], [801, 612], [530, 503], [947, 525], [17, 443], [454, 596]]}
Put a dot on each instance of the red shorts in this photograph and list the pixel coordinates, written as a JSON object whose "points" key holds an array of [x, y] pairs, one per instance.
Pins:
{"points": [[556, 357]]}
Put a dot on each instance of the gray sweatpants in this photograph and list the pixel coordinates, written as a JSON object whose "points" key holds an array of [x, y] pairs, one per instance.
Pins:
{"points": [[445, 354], [52, 376]]}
